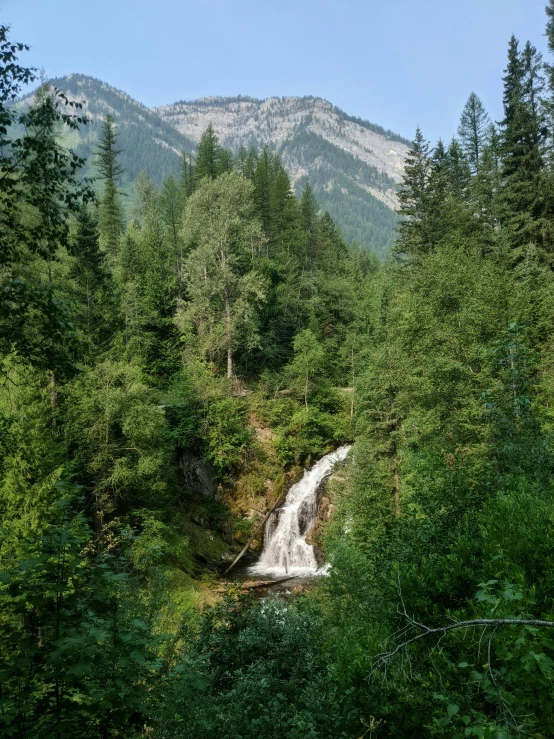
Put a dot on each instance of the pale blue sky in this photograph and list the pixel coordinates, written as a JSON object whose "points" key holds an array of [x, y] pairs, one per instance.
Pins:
{"points": [[399, 63]]}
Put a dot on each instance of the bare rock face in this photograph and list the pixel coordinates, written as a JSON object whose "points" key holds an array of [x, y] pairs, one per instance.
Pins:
{"points": [[372, 158], [197, 474], [324, 512]]}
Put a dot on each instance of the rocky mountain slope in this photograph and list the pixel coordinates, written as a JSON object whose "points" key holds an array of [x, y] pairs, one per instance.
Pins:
{"points": [[353, 166], [287, 124]]}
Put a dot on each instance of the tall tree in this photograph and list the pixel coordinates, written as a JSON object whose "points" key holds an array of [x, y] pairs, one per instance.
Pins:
{"points": [[224, 291], [412, 197], [39, 191], [96, 307], [473, 131], [109, 170], [523, 137], [171, 204], [308, 211], [207, 156], [187, 175]]}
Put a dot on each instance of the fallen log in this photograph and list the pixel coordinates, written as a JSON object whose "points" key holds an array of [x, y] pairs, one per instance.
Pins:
{"points": [[250, 584], [245, 547]]}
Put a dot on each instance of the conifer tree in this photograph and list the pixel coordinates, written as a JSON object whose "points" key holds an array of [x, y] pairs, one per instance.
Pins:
{"points": [[187, 175], [473, 131], [207, 156], [262, 189], [94, 297], [412, 197], [224, 161], [110, 221], [459, 172], [308, 211], [526, 202]]}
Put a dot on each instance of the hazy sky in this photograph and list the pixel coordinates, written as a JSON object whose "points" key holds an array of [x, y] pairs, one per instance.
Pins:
{"points": [[399, 63]]}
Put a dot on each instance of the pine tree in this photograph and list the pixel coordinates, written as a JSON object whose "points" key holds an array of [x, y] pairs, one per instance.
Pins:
{"points": [[413, 199], [549, 68], [224, 161], [110, 170], [207, 156], [526, 202], [262, 190], [459, 172], [473, 131], [96, 309], [187, 175], [308, 213]]}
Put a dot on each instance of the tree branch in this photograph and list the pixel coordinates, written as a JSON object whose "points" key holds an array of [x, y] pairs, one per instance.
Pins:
{"points": [[426, 631]]}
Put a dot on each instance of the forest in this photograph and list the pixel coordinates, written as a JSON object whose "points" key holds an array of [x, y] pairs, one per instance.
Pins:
{"points": [[221, 323]]}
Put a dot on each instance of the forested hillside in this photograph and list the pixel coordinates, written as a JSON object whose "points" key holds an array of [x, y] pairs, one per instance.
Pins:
{"points": [[354, 167], [168, 370], [145, 141]]}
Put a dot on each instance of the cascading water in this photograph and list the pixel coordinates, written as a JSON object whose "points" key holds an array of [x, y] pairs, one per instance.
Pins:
{"points": [[286, 551]]}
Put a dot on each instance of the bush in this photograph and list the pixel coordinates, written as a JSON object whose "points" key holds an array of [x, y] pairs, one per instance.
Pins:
{"points": [[309, 435]]}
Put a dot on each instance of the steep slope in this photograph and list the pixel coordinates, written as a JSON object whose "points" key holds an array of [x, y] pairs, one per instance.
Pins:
{"points": [[354, 166], [147, 142]]}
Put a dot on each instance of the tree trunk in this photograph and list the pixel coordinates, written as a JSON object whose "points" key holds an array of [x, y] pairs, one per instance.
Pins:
{"points": [[353, 384], [228, 338], [396, 494]]}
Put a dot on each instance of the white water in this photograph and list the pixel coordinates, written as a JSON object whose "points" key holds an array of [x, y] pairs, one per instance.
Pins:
{"points": [[286, 551]]}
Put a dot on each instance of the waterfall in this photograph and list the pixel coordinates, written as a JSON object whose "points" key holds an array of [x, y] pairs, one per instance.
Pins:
{"points": [[286, 551]]}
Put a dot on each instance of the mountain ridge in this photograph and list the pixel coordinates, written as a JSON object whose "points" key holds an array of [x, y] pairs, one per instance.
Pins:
{"points": [[354, 166]]}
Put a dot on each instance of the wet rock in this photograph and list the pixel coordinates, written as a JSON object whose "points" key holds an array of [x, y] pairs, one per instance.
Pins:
{"points": [[197, 474]]}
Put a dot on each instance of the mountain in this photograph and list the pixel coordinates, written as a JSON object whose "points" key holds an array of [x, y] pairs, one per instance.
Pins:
{"points": [[353, 166], [146, 140]]}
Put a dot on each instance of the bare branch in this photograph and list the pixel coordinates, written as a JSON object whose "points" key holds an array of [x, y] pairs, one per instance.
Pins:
{"points": [[426, 631]]}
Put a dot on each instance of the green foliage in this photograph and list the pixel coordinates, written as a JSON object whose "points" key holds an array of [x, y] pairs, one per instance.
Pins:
{"points": [[232, 303], [110, 171], [308, 435], [75, 659], [121, 438], [263, 674], [39, 193], [228, 435]]}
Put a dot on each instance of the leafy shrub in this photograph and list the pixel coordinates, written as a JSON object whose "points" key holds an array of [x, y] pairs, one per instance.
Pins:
{"points": [[309, 435], [227, 435]]}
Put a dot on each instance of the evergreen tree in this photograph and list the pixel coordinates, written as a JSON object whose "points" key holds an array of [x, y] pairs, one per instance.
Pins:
{"points": [[473, 131], [526, 201], [187, 175], [308, 212], [109, 170], [93, 294], [412, 197], [262, 179], [459, 171], [207, 156]]}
